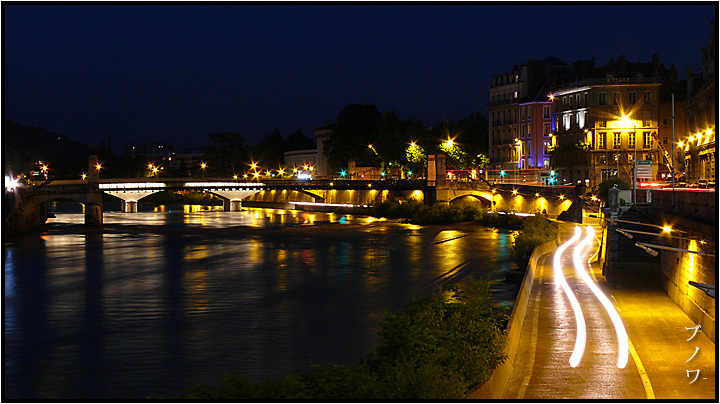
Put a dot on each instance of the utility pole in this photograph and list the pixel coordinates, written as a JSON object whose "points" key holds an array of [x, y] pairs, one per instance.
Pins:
{"points": [[672, 147]]}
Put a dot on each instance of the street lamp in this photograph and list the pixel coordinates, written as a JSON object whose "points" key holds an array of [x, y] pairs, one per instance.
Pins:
{"points": [[625, 121]]}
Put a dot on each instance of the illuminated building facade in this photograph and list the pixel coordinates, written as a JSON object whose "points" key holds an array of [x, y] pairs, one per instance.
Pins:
{"points": [[603, 118], [519, 113], [698, 144]]}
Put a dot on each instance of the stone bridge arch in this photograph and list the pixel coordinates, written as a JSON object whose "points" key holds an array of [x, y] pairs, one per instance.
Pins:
{"points": [[485, 200]]}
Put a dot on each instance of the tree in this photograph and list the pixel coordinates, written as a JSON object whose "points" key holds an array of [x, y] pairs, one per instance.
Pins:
{"points": [[298, 141], [271, 150], [227, 153], [357, 127]]}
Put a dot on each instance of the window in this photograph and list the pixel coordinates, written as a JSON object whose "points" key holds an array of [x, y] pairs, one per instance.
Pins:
{"points": [[528, 132], [529, 113], [647, 140], [522, 113], [546, 112], [616, 140], [665, 140], [529, 148], [665, 121], [602, 99], [545, 147], [586, 99], [601, 140], [616, 98], [647, 119], [631, 139], [546, 129], [522, 128], [632, 97], [602, 124], [646, 97], [577, 99]]}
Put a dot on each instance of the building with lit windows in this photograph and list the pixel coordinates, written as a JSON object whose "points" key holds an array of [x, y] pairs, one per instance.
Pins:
{"points": [[604, 119], [698, 145], [519, 114]]}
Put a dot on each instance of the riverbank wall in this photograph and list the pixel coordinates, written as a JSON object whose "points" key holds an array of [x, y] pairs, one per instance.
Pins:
{"points": [[494, 387]]}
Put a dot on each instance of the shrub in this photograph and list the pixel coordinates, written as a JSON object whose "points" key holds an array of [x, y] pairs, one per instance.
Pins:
{"points": [[435, 348], [534, 231]]}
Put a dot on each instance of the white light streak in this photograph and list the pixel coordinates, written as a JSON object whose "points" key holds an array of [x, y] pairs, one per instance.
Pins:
{"points": [[581, 336], [223, 184], [614, 317], [345, 205], [132, 185]]}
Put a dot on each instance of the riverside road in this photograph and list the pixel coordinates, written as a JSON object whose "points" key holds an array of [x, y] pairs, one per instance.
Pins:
{"points": [[664, 359]]}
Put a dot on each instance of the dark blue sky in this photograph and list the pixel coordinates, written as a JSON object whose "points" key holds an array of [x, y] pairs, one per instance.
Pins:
{"points": [[177, 72]]}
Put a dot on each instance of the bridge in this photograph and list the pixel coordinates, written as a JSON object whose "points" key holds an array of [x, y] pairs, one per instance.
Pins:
{"points": [[505, 197]]}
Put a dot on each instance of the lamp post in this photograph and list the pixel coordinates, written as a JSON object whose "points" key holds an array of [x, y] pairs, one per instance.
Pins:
{"points": [[635, 166]]}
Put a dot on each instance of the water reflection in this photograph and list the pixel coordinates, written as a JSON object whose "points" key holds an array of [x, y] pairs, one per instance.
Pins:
{"points": [[142, 313]]}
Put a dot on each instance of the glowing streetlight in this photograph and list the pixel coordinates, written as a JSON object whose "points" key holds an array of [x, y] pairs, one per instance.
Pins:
{"points": [[83, 176], [235, 177], [253, 166], [667, 229], [245, 175], [98, 166], [449, 143], [343, 173], [514, 191]]}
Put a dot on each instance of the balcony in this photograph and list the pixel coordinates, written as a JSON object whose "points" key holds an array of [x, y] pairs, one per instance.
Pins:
{"points": [[502, 102]]}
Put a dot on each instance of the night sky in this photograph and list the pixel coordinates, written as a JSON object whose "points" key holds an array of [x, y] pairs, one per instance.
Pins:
{"points": [[177, 72]]}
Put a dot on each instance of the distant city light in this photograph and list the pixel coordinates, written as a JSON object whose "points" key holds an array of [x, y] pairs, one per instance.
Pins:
{"points": [[502, 173]]}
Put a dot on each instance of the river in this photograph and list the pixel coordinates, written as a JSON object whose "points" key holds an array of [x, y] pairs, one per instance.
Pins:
{"points": [[171, 297]]}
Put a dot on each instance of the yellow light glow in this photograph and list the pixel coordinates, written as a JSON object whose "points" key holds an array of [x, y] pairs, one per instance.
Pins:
{"points": [[680, 144], [593, 198], [412, 144], [150, 166], [235, 177], [305, 167], [708, 132], [667, 229], [580, 335], [691, 138], [253, 166], [281, 171], [155, 170], [449, 143], [245, 175], [622, 337], [551, 97], [295, 169], [514, 191], [537, 195], [203, 166], [84, 176], [331, 184], [256, 175], [98, 166], [562, 197], [369, 146]]}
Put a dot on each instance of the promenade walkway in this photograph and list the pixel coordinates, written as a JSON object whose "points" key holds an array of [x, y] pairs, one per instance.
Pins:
{"points": [[661, 363]]}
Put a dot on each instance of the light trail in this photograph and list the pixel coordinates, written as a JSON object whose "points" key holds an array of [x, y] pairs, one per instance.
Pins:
{"points": [[581, 336], [614, 317]]}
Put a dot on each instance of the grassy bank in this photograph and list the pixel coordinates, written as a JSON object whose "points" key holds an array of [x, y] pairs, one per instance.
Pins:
{"points": [[435, 348]]}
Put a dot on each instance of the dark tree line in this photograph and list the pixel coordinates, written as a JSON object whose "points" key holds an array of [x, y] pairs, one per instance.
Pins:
{"points": [[371, 138]]}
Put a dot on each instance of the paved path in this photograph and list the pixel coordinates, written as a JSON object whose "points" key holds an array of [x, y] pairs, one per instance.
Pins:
{"points": [[655, 327]]}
